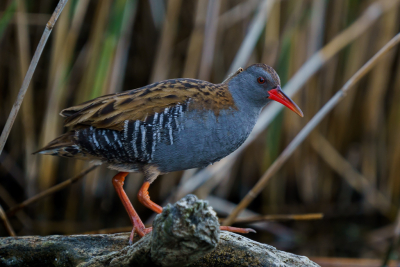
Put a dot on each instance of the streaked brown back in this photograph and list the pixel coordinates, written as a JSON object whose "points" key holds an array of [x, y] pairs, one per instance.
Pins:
{"points": [[111, 111]]}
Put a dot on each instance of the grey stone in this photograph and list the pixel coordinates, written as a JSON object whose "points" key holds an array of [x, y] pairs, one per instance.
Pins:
{"points": [[186, 233]]}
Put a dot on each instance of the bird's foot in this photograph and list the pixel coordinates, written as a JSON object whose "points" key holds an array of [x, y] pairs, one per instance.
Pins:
{"points": [[141, 231], [237, 230]]}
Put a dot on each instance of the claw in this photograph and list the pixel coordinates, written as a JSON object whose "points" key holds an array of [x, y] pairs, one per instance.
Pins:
{"points": [[249, 230], [237, 230], [132, 236]]}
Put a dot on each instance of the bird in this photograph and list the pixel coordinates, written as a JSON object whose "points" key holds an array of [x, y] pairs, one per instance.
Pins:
{"points": [[168, 126]]}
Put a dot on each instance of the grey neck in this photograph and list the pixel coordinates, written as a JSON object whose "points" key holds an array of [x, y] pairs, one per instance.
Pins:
{"points": [[245, 101]]}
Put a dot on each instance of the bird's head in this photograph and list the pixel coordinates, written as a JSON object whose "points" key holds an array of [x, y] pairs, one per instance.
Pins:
{"points": [[260, 83]]}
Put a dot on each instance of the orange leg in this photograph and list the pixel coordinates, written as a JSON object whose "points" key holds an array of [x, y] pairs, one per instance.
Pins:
{"points": [[138, 226], [144, 198]]}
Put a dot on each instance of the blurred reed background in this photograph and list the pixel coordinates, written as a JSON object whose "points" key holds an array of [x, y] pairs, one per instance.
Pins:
{"points": [[103, 47]]}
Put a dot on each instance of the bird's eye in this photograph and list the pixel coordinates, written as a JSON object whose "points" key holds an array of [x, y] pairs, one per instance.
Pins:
{"points": [[261, 80]]}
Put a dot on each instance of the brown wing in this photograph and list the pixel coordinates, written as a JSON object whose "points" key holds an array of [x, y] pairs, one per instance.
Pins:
{"points": [[64, 140], [111, 111]]}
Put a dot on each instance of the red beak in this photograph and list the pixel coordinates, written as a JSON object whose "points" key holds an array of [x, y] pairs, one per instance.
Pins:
{"points": [[279, 96]]}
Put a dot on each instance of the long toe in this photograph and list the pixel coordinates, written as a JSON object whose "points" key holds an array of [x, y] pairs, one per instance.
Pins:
{"points": [[132, 236], [140, 231], [237, 229]]}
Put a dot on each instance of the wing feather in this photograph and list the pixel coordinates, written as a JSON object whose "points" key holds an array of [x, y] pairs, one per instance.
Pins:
{"points": [[111, 111]]}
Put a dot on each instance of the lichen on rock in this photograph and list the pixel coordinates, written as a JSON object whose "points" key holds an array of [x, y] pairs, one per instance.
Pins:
{"points": [[189, 227]]}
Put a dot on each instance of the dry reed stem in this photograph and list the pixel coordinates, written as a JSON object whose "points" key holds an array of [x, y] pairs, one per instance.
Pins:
{"points": [[210, 35], [50, 191], [380, 235], [372, 13], [317, 26], [51, 125], [118, 69], [157, 12], [254, 33], [308, 128], [279, 217], [237, 13], [93, 54], [193, 53], [162, 63], [374, 106], [355, 179], [28, 111], [393, 124], [9, 201], [197, 180], [14, 111], [224, 207], [271, 41], [357, 56], [6, 223]]}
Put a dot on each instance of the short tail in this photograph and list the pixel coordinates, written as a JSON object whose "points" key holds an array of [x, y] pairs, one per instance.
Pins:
{"points": [[64, 146]]}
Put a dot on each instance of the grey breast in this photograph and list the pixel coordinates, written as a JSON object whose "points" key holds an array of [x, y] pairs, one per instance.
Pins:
{"points": [[203, 140], [178, 139]]}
